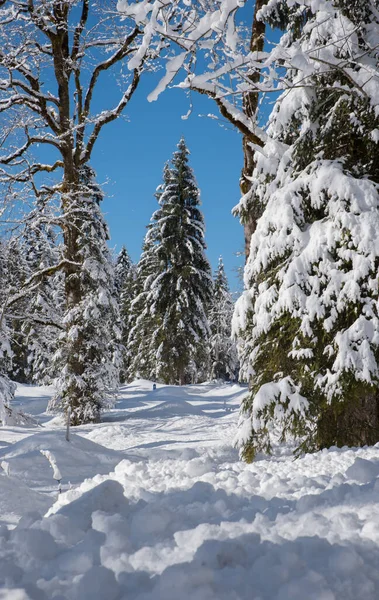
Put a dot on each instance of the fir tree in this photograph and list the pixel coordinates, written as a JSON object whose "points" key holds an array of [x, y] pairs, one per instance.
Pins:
{"points": [[88, 355], [181, 291], [223, 352], [309, 320]]}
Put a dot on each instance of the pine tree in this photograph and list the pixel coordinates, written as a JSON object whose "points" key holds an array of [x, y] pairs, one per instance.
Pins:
{"points": [[181, 291], [309, 319], [223, 352], [88, 354]]}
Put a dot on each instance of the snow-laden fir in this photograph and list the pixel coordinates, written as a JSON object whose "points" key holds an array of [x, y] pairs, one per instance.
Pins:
{"points": [[126, 289], [169, 336], [222, 349], [156, 504], [88, 356], [308, 323]]}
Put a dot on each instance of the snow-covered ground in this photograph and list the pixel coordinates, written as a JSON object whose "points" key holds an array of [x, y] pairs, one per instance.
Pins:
{"points": [[157, 506]]}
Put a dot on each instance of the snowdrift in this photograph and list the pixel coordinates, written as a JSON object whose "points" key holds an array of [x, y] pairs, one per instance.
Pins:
{"points": [[74, 458], [182, 517]]}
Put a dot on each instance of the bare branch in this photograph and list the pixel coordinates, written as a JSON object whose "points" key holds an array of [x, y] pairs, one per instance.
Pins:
{"points": [[110, 116], [105, 65], [79, 30]]}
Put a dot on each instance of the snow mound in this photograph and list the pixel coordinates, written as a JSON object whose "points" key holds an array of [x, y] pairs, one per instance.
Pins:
{"points": [[169, 408], [208, 540], [363, 470], [73, 458], [12, 417], [96, 584], [108, 496], [16, 499], [15, 594]]}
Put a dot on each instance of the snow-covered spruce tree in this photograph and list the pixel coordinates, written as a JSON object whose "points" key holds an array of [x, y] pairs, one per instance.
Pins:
{"points": [[43, 319], [16, 272], [128, 293], [182, 289], [42, 329], [122, 269], [223, 352], [91, 323], [125, 275], [308, 321], [7, 387], [141, 344]]}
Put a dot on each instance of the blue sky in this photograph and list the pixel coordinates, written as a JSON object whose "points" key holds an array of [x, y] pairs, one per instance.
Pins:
{"points": [[130, 155]]}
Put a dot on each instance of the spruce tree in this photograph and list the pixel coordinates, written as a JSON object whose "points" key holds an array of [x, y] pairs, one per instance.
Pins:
{"points": [[144, 323], [7, 387], [308, 321], [88, 354], [181, 291], [17, 271], [122, 269], [223, 352], [125, 274], [43, 320]]}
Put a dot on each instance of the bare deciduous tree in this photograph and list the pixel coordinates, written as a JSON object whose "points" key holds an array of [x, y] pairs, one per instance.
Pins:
{"points": [[54, 57]]}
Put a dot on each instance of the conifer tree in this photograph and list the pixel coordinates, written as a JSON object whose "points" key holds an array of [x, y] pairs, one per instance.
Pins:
{"points": [[141, 346], [181, 291], [43, 320], [92, 325], [17, 271], [6, 390], [122, 269], [309, 320], [125, 274], [223, 352], [7, 387]]}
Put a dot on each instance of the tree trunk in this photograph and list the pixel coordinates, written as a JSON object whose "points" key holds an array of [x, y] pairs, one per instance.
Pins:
{"points": [[70, 193], [353, 422], [250, 102]]}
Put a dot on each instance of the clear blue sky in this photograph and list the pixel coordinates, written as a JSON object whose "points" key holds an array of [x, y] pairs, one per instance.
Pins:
{"points": [[131, 153]]}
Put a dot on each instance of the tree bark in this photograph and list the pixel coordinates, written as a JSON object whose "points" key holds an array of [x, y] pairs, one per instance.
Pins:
{"points": [[353, 422], [250, 103]]}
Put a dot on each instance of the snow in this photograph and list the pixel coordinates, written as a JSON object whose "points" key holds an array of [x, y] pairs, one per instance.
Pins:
{"points": [[27, 463], [53, 463], [159, 506]]}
